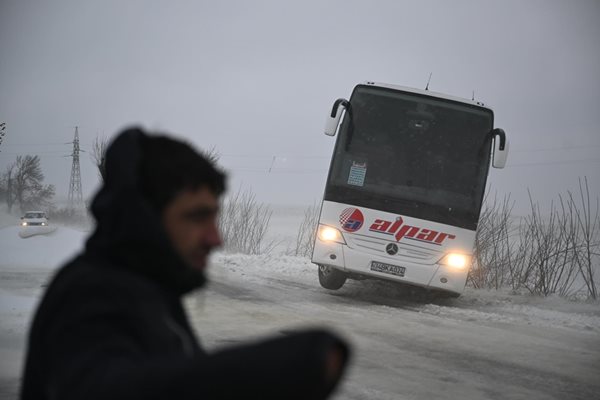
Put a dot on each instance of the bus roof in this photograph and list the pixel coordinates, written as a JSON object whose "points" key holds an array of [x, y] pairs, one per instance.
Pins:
{"points": [[427, 93]]}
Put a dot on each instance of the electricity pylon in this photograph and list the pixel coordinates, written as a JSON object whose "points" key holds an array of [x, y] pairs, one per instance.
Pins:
{"points": [[75, 195]]}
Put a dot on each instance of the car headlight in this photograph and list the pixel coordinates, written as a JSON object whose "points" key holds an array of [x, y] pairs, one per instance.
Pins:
{"points": [[23, 223], [43, 224], [330, 234], [456, 260]]}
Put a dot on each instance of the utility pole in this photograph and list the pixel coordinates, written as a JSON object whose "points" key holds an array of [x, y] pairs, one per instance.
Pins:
{"points": [[75, 195]]}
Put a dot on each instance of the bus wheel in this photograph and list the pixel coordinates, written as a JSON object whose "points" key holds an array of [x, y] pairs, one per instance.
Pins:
{"points": [[331, 278]]}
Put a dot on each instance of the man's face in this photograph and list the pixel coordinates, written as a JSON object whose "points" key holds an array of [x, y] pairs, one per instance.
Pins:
{"points": [[190, 221]]}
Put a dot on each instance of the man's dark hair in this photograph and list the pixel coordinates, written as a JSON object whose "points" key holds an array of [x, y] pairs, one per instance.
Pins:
{"points": [[169, 166]]}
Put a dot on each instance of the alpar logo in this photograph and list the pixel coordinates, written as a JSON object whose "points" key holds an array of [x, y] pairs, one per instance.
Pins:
{"points": [[351, 219], [400, 230]]}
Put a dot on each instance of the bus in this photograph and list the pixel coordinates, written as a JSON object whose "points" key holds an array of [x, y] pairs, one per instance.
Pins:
{"points": [[405, 187]]}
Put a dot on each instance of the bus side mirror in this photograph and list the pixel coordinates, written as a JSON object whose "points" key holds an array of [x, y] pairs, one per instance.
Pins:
{"points": [[500, 148], [333, 119]]}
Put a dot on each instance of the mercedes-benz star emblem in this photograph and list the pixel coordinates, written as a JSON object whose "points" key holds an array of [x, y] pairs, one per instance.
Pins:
{"points": [[391, 249]]}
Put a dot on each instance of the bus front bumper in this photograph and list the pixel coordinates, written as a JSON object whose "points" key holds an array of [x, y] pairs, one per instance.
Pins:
{"points": [[435, 276]]}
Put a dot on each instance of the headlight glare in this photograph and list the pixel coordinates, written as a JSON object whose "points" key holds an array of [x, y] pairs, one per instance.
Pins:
{"points": [[456, 260], [330, 234]]}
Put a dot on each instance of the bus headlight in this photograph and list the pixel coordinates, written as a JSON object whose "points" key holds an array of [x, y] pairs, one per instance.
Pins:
{"points": [[330, 234], [456, 260]]}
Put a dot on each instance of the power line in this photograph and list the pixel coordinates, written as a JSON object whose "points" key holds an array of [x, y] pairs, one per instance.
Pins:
{"points": [[38, 144], [270, 156], [552, 163], [555, 148], [49, 154], [277, 172], [307, 156]]}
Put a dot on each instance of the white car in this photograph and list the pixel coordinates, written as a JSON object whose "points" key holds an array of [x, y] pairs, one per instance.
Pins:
{"points": [[34, 218], [35, 223]]}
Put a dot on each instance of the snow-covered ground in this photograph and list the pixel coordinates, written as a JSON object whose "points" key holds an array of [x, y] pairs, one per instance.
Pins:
{"points": [[484, 345]]}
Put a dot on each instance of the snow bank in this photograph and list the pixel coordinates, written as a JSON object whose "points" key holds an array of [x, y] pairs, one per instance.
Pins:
{"points": [[261, 268], [519, 315], [45, 251], [29, 231], [502, 307], [10, 302]]}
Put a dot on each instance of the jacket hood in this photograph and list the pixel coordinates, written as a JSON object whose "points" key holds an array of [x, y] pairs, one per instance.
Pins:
{"points": [[129, 232]]}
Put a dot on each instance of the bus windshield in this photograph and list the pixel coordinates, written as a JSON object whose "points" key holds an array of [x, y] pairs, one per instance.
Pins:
{"points": [[412, 154]]}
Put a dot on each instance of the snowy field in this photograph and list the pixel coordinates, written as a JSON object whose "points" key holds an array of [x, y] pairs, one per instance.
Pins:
{"points": [[484, 345]]}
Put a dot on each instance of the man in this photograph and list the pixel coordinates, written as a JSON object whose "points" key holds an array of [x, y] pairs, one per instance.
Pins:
{"points": [[111, 324]]}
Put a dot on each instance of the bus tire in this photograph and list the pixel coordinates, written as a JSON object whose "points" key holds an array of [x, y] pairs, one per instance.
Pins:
{"points": [[331, 278]]}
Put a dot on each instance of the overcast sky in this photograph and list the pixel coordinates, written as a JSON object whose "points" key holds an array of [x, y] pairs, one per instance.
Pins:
{"points": [[255, 80]]}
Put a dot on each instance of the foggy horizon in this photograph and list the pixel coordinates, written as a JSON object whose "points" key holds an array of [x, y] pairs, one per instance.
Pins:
{"points": [[255, 81]]}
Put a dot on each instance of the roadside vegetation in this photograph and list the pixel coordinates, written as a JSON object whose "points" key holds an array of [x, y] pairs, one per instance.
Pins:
{"points": [[244, 223], [22, 185], [556, 252], [307, 231]]}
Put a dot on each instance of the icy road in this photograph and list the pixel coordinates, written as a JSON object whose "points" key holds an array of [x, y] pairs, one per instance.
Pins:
{"points": [[481, 346]]}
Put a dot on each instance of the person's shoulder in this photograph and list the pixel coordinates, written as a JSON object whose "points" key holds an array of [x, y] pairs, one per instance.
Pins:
{"points": [[86, 271], [88, 277]]}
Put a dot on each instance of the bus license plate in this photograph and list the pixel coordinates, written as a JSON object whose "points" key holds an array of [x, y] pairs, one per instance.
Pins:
{"points": [[387, 268]]}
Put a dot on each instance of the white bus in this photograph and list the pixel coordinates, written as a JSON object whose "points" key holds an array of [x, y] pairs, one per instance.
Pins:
{"points": [[405, 187]]}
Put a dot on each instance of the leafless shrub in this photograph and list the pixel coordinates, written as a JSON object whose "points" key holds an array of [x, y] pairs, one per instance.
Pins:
{"points": [[211, 154], [493, 256], [243, 223], [587, 240], [305, 238], [546, 253]]}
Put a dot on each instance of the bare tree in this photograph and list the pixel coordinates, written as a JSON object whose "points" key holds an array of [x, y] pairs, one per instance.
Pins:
{"points": [[98, 155], [6, 187], [2, 133], [27, 183]]}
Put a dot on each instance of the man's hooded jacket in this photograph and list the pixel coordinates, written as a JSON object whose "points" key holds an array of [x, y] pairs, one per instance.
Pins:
{"points": [[111, 324]]}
